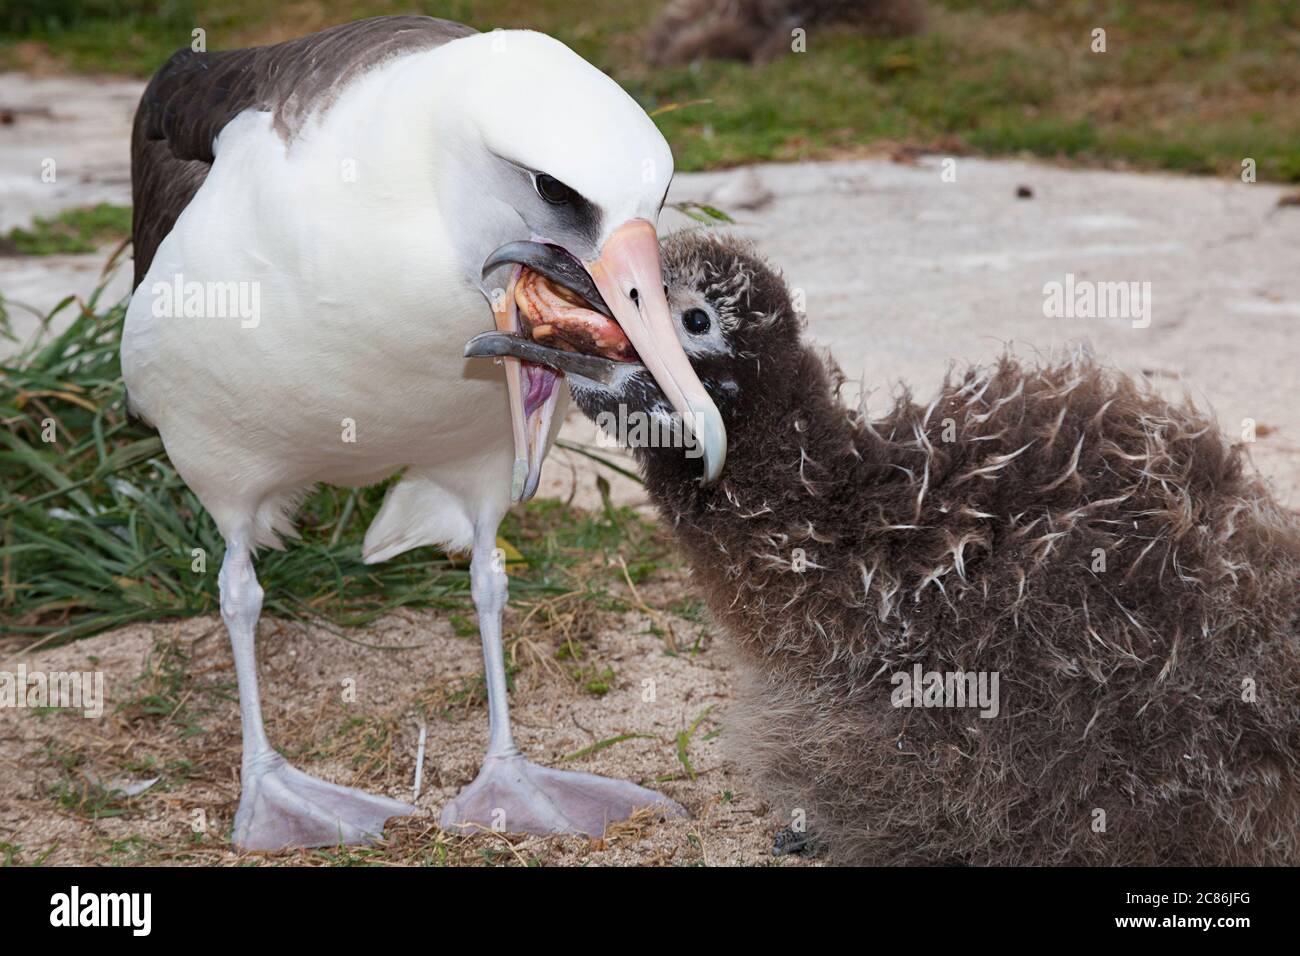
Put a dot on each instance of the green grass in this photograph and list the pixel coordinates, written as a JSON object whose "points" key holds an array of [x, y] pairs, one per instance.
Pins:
{"points": [[684, 745], [97, 530], [166, 692], [77, 794], [81, 230], [1190, 85]]}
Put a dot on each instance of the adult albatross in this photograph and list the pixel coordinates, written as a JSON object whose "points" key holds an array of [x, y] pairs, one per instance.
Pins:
{"points": [[315, 222]]}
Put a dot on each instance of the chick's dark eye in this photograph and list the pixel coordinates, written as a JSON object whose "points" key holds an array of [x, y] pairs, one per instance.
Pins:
{"points": [[552, 190], [696, 321]]}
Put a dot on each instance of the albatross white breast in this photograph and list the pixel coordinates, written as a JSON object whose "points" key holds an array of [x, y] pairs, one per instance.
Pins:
{"points": [[352, 186]]}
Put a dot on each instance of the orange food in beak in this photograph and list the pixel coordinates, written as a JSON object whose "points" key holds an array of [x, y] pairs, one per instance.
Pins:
{"points": [[558, 317]]}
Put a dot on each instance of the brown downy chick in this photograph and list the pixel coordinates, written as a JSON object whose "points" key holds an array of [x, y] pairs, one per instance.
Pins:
{"points": [[1100, 550]]}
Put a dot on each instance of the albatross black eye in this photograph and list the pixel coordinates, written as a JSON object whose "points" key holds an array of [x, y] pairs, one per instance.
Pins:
{"points": [[696, 321], [552, 190]]}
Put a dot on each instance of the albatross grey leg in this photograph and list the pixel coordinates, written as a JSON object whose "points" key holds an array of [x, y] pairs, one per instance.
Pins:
{"points": [[510, 794], [280, 806]]}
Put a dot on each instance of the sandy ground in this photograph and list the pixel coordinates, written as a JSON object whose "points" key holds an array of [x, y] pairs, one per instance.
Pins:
{"points": [[171, 713], [902, 273]]}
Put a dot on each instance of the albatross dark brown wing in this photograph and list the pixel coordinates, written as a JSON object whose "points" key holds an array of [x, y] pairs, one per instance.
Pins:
{"points": [[191, 99]]}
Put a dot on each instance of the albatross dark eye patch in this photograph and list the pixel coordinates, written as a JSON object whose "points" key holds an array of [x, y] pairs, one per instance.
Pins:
{"points": [[552, 190], [573, 217]]}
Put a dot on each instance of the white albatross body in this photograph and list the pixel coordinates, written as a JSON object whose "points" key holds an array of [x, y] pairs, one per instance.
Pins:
{"points": [[359, 236], [363, 308]]}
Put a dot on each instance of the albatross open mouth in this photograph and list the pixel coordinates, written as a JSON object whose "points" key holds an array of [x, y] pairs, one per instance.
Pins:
{"points": [[551, 301], [559, 317], [612, 309]]}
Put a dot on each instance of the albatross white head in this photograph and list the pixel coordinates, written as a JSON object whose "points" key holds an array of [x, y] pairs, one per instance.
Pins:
{"points": [[553, 178]]}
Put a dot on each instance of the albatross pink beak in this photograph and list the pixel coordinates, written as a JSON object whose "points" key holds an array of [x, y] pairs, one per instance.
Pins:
{"points": [[629, 276]]}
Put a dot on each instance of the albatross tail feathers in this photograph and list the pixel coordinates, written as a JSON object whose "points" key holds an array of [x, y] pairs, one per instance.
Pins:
{"points": [[416, 512]]}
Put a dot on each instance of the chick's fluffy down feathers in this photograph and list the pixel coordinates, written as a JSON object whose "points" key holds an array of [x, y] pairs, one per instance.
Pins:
{"points": [[1101, 549]]}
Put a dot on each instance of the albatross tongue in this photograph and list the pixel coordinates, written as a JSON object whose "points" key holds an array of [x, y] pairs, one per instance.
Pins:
{"points": [[540, 395], [533, 397], [548, 313], [539, 383]]}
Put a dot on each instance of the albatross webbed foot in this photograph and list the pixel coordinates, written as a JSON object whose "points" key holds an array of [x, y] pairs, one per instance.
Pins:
{"points": [[512, 795], [283, 807]]}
